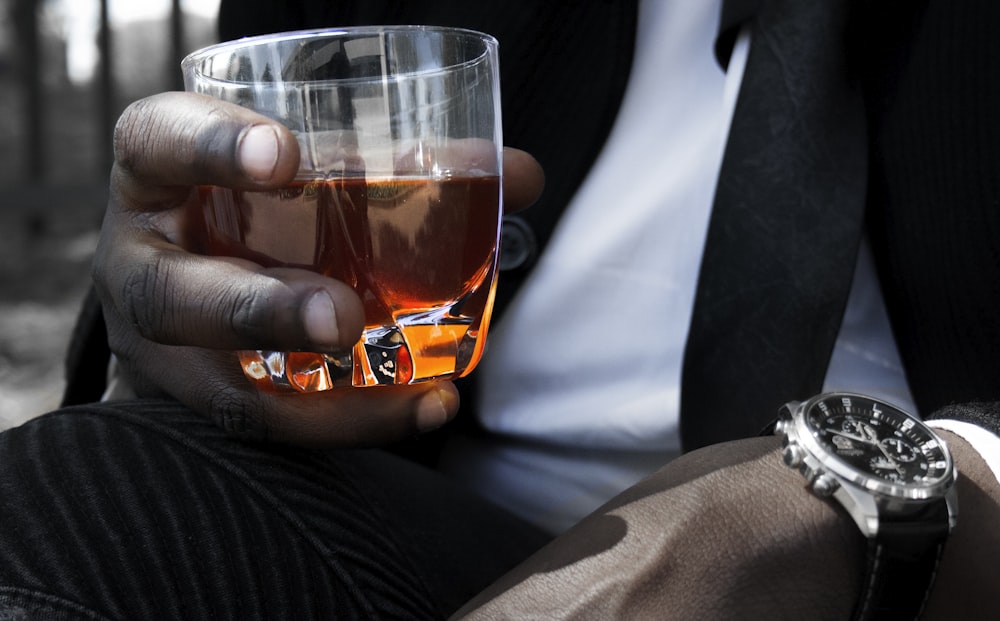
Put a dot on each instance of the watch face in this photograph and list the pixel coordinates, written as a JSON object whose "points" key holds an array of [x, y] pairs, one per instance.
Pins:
{"points": [[879, 441]]}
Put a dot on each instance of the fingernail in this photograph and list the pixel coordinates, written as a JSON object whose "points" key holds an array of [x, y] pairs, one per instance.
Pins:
{"points": [[258, 152], [320, 318], [435, 408]]}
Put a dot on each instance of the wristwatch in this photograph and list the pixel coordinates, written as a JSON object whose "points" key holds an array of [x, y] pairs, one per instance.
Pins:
{"points": [[893, 475]]}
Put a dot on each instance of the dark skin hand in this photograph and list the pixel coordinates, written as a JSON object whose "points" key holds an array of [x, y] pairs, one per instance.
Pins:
{"points": [[175, 318], [730, 532]]}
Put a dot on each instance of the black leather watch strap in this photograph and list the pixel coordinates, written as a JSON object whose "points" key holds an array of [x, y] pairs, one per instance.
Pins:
{"points": [[902, 564]]}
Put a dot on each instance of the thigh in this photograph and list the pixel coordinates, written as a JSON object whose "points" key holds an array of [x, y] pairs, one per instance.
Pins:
{"points": [[145, 510]]}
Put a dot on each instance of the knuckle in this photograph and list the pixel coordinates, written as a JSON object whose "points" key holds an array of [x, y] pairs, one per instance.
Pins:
{"points": [[250, 314], [199, 138], [235, 413], [144, 297], [214, 140], [133, 133], [123, 344]]}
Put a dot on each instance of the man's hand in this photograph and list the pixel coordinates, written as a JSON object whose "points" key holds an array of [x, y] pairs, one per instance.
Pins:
{"points": [[175, 318], [730, 532]]}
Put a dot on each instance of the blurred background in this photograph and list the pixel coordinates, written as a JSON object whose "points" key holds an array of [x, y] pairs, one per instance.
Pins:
{"points": [[67, 70]]}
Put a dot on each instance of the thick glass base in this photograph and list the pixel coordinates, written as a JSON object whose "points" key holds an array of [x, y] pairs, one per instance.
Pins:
{"points": [[413, 351]]}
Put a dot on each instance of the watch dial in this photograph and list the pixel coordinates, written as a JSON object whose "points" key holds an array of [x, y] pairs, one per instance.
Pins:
{"points": [[878, 439]]}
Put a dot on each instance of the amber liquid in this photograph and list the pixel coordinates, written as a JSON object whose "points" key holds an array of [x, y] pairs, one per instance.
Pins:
{"points": [[420, 252]]}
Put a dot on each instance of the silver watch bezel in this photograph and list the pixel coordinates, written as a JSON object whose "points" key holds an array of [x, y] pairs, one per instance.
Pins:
{"points": [[798, 431]]}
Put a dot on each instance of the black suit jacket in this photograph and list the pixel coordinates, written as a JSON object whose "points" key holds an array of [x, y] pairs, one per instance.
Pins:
{"points": [[929, 72]]}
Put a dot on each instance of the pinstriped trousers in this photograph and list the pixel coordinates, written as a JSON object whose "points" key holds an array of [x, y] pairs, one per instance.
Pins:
{"points": [[145, 510]]}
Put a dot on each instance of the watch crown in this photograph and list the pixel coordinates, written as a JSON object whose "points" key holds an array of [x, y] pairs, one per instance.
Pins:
{"points": [[793, 455], [779, 427], [824, 485]]}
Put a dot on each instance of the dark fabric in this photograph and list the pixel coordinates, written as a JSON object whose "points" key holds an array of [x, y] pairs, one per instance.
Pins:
{"points": [[144, 510], [985, 415], [734, 15], [933, 85], [927, 71], [785, 227], [88, 354]]}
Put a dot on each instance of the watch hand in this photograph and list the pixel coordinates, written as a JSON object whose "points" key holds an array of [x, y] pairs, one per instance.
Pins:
{"points": [[851, 436], [870, 433], [872, 438], [895, 464], [884, 465]]}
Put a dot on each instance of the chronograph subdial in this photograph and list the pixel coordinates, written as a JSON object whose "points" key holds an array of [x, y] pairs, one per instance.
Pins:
{"points": [[898, 449]]}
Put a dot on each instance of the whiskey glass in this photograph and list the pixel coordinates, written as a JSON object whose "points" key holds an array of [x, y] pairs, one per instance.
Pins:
{"points": [[397, 193]]}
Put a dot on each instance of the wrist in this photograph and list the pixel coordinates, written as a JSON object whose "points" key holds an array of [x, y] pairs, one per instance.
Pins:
{"points": [[966, 583]]}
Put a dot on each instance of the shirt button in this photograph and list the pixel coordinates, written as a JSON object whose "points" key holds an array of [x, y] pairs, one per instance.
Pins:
{"points": [[518, 246]]}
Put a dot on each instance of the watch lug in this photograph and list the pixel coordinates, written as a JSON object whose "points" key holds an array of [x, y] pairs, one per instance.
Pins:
{"points": [[951, 500], [861, 506], [785, 412]]}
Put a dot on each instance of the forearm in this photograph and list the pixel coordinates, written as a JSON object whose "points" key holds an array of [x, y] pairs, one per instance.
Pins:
{"points": [[731, 532], [723, 532]]}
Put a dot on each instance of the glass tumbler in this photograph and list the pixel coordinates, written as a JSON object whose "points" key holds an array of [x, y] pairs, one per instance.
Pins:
{"points": [[397, 193]]}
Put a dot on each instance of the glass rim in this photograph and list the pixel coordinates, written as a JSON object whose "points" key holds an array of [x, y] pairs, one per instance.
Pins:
{"points": [[195, 58]]}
